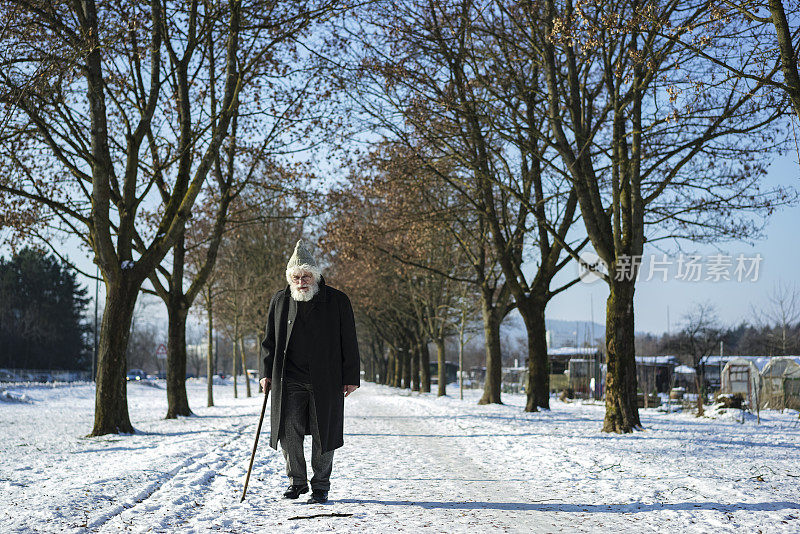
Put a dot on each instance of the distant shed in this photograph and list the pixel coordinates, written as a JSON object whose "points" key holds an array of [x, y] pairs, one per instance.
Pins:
{"points": [[655, 373], [779, 385], [588, 379], [791, 388], [740, 375], [685, 378], [584, 376], [713, 366]]}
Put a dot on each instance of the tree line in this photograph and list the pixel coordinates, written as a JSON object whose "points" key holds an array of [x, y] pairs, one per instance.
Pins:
{"points": [[530, 132], [480, 147]]}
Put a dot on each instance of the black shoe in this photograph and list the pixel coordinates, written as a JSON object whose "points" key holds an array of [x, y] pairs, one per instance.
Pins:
{"points": [[293, 492], [318, 497]]}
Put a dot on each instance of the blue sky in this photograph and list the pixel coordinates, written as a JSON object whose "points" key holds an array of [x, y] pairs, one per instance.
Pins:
{"points": [[781, 257]]}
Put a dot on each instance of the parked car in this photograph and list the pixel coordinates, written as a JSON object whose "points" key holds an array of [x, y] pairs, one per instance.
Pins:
{"points": [[42, 377], [136, 374]]}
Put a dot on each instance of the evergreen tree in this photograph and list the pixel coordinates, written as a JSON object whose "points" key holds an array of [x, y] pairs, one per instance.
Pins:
{"points": [[41, 305]]}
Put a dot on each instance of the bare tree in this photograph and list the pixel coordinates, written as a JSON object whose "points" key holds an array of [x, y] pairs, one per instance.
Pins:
{"points": [[700, 335], [272, 32], [780, 317], [81, 97], [749, 33], [426, 79], [145, 130], [452, 210], [388, 300], [650, 156], [403, 219]]}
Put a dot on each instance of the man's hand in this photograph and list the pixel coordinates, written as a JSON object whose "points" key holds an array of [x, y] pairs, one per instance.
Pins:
{"points": [[264, 384], [347, 390]]}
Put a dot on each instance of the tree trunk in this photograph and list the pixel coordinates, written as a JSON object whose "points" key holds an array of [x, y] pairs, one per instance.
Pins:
{"points": [[622, 413], [645, 396], [406, 356], [216, 355], [788, 54], [177, 400], [234, 362], [425, 366], [177, 310], [398, 368], [379, 374], [698, 382], [381, 363], [401, 370], [538, 388], [244, 367], [210, 355], [391, 366], [111, 398], [494, 360], [370, 364], [442, 369], [414, 351]]}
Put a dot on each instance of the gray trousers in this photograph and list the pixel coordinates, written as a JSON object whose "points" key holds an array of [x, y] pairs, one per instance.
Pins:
{"points": [[300, 414]]}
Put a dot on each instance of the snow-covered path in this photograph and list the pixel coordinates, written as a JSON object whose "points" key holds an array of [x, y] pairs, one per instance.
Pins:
{"points": [[410, 462], [423, 476]]}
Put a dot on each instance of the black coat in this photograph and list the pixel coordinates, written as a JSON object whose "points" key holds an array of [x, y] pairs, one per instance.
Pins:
{"points": [[333, 363]]}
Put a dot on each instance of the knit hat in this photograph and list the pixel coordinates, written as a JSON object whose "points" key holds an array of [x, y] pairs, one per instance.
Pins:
{"points": [[302, 260]]}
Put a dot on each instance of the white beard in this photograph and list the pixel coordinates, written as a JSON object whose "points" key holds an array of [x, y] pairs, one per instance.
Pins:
{"points": [[304, 296]]}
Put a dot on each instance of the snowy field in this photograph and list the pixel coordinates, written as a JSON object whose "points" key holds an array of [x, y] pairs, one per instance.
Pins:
{"points": [[410, 463]]}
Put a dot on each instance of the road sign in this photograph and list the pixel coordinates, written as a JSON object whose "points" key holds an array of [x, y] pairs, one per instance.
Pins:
{"points": [[161, 352]]}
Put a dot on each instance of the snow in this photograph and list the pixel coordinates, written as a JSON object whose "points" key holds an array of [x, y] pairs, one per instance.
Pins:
{"points": [[758, 361], [656, 360], [568, 351], [410, 462], [13, 396]]}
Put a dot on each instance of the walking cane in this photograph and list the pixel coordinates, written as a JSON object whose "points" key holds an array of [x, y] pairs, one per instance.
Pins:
{"points": [[258, 432]]}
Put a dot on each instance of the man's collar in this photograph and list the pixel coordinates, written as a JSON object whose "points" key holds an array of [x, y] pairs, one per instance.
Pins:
{"points": [[322, 294]]}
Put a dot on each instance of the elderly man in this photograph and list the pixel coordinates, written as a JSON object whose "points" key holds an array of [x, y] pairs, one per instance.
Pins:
{"points": [[310, 359]]}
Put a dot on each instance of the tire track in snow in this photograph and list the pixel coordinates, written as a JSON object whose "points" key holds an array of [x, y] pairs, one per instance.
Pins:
{"points": [[197, 469]]}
